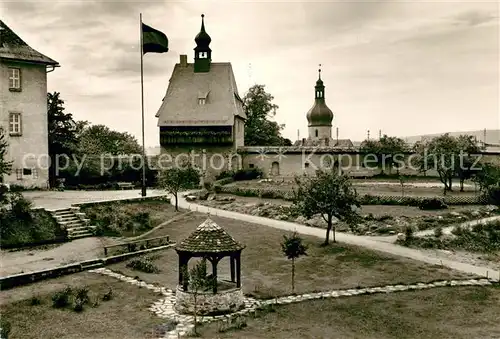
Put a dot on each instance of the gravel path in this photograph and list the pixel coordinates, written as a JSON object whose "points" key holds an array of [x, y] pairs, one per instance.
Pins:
{"points": [[363, 241]]}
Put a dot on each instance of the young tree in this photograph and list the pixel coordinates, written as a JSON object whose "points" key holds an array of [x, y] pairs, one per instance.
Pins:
{"points": [[328, 194], [62, 131], [292, 247], [197, 282], [402, 181], [259, 130], [176, 179], [5, 165]]}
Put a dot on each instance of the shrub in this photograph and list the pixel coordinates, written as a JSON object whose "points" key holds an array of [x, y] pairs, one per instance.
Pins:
{"points": [[62, 298], [78, 305], [432, 204], [225, 175], [408, 233], [35, 300], [108, 295], [248, 174], [493, 195], [82, 294], [5, 328], [144, 264], [438, 232]]}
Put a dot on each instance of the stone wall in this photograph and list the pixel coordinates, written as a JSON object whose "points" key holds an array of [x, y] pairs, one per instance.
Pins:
{"points": [[208, 303]]}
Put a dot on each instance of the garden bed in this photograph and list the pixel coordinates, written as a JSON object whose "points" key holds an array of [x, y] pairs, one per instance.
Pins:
{"points": [[377, 219], [128, 219]]}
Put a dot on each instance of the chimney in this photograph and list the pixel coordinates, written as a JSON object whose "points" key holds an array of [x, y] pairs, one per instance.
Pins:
{"points": [[184, 60]]}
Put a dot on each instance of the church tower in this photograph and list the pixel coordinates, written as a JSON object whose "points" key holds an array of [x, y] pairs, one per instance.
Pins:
{"points": [[202, 51], [320, 117]]}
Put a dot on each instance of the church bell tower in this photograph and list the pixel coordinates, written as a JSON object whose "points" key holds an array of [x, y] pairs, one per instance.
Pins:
{"points": [[202, 51]]}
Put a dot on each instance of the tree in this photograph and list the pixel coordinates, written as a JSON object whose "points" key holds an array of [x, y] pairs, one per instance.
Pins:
{"points": [[329, 194], [386, 149], [488, 176], [5, 165], [467, 149], [197, 282], [259, 130], [440, 154], [100, 139], [62, 131], [176, 179], [292, 247]]}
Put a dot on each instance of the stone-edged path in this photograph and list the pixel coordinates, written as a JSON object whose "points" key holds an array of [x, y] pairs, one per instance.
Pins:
{"points": [[164, 308], [364, 241], [466, 224]]}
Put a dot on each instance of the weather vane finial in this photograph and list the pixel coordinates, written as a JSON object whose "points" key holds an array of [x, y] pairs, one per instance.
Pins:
{"points": [[319, 71]]}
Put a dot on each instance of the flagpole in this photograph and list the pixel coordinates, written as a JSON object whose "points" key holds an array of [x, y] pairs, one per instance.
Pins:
{"points": [[143, 191]]}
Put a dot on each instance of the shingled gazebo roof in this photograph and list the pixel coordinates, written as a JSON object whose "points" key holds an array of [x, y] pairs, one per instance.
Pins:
{"points": [[209, 238]]}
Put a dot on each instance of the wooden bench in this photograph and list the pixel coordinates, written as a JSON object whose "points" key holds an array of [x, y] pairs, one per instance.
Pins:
{"points": [[132, 245], [125, 185]]}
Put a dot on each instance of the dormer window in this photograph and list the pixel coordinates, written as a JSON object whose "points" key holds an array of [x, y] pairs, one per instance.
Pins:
{"points": [[203, 55], [202, 101]]}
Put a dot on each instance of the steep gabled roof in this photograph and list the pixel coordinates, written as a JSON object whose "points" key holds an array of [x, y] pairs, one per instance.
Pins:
{"points": [[14, 48], [180, 105], [209, 238]]}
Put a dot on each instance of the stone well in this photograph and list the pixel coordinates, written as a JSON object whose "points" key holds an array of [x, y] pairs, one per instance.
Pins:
{"points": [[211, 243], [208, 303]]}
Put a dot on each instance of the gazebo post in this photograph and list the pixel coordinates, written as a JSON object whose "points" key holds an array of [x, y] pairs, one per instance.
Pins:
{"points": [[215, 261], [238, 269], [232, 266]]}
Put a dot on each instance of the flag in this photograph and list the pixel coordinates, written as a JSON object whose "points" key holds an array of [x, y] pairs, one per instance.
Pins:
{"points": [[153, 40]]}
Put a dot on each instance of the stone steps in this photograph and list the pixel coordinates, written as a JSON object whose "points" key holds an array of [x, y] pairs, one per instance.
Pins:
{"points": [[74, 222]]}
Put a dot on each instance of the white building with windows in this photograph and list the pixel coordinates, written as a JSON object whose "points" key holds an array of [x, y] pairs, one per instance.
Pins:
{"points": [[23, 109]]}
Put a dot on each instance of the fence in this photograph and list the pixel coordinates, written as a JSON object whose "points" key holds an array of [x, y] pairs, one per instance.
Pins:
{"points": [[367, 199], [132, 245]]}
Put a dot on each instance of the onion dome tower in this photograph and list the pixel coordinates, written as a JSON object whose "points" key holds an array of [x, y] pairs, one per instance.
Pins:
{"points": [[202, 51], [320, 117]]}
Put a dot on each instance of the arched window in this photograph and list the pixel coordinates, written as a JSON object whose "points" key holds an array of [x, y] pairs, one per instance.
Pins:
{"points": [[316, 133]]}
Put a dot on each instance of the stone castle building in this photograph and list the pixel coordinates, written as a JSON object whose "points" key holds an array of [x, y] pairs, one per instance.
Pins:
{"points": [[23, 109], [202, 114]]}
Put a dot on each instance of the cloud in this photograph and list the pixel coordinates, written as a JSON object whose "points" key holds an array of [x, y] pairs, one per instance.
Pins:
{"points": [[474, 18]]}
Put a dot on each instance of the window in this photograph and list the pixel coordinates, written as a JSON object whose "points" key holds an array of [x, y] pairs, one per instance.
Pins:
{"points": [[15, 124], [26, 171], [201, 101], [19, 173], [251, 165], [316, 133], [15, 79], [306, 165], [35, 173], [203, 55]]}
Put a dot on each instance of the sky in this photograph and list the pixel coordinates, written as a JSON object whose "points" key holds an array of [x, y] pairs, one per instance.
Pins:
{"points": [[402, 68]]}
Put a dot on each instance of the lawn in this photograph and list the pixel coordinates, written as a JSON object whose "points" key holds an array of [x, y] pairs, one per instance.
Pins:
{"points": [[445, 313], [266, 272], [131, 218], [125, 316]]}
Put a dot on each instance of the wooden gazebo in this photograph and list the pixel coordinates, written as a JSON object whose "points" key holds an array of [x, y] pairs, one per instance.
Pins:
{"points": [[211, 242]]}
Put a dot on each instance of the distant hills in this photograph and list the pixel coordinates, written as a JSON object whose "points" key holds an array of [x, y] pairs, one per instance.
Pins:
{"points": [[492, 136]]}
